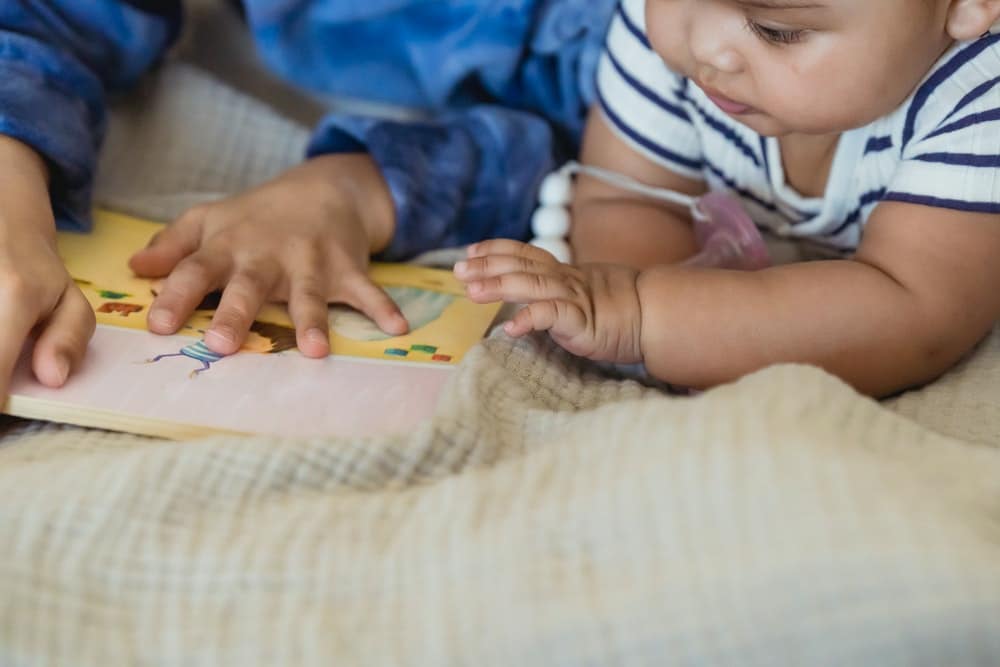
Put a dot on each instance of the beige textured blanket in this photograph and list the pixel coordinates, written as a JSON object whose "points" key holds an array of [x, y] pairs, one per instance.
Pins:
{"points": [[546, 515]]}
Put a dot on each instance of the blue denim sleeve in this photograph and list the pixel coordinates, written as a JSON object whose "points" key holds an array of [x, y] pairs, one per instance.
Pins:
{"points": [[456, 179], [57, 60], [472, 172]]}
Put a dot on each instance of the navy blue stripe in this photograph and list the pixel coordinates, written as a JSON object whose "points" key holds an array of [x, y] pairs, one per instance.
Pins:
{"points": [[866, 200], [974, 95], [939, 77], [646, 143], [878, 144], [727, 132], [633, 28], [742, 192], [648, 93], [937, 202], [968, 121], [961, 159], [763, 154]]}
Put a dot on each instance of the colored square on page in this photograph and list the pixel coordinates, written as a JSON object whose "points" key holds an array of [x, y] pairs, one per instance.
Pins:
{"points": [[395, 352], [429, 349]]}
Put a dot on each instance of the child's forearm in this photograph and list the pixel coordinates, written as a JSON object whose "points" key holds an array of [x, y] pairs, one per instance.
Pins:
{"points": [[24, 196], [705, 327]]}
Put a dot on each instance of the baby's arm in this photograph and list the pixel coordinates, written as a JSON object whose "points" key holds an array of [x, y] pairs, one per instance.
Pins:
{"points": [[612, 226], [919, 294]]}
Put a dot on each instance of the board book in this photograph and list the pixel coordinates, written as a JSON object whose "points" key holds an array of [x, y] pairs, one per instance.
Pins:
{"points": [[175, 387]]}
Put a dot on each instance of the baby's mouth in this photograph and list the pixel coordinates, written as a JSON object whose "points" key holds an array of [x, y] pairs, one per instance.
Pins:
{"points": [[728, 105]]}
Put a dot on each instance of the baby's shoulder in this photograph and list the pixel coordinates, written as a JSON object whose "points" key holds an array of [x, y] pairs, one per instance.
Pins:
{"points": [[962, 85]]}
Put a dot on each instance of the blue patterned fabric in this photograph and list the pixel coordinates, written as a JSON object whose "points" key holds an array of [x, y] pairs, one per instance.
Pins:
{"points": [[505, 85]]}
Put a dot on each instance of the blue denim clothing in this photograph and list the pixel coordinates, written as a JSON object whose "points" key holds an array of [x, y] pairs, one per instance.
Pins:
{"points": [[505, 84]]}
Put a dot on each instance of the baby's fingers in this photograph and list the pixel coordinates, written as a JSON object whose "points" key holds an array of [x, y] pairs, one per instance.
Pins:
{"points": [[512, 248], [561, 318], [520, 288], [489, 266]]}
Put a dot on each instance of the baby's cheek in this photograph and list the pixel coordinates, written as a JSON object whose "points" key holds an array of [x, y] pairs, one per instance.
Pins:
{"points": [[665, 33]]}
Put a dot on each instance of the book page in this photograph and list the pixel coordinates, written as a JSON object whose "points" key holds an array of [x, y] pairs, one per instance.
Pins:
{"points": [[176, 387]]}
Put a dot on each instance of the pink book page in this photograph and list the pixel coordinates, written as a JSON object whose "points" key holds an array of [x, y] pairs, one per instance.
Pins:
{"points": [[283, 394]]}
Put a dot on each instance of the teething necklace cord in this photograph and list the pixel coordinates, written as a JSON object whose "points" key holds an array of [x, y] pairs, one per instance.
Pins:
{"points": [[626, 183]]}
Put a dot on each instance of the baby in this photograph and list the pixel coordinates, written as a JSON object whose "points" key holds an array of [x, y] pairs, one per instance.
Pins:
{"points": [[870, 128]]}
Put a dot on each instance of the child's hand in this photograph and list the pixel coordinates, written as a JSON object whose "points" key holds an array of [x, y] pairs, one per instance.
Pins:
{"points": [[591, 310], [37, 295], [302, 238]]}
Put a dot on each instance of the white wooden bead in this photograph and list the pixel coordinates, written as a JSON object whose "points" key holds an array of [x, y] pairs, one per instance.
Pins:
{"points": [[558, 248], [550, 222], [556, 190]]}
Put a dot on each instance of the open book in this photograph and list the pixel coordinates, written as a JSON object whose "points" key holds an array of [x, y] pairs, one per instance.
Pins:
{"points": [[175, 387]]}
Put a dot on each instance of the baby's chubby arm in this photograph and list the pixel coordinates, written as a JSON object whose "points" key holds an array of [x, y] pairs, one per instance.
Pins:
{"points": [[919, 294]]}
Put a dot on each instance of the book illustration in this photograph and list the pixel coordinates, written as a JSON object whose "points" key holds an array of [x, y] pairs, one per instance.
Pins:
{"points": [[263, 338], [197, 351]]}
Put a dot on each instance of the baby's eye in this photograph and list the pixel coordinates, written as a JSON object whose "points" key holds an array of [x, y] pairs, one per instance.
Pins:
{"points": [[773, 35]]}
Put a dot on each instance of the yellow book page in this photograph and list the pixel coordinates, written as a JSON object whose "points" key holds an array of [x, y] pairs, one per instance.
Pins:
{"points": [[444, 324]]}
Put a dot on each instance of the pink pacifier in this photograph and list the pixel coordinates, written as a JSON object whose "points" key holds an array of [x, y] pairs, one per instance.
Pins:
{"points": [[727, 237]]}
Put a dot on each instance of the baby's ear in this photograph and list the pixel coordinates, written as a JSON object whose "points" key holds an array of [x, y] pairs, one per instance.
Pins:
{"points": [[971, 19]]}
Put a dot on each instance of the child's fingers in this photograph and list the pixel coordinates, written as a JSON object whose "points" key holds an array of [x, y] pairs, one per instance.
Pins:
{"points": [[308, 308], [63, 340], [247, 291], [520, 288], [512, 248], [18, 321], [169, 246], [185, 287], [361, 293]]}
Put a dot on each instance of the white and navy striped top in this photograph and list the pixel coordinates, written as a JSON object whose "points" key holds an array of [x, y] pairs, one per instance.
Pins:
{"points": [[940, 148]]}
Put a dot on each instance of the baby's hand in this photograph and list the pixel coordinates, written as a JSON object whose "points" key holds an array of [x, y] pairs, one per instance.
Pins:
{"points": [[299, 238], [591, 310]]}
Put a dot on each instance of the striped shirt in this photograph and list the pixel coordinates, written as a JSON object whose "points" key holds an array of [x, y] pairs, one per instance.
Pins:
{"points": [[941, 148]]}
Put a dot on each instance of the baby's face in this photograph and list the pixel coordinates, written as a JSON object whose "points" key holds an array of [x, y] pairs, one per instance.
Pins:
{"points": [[801, 66]]}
